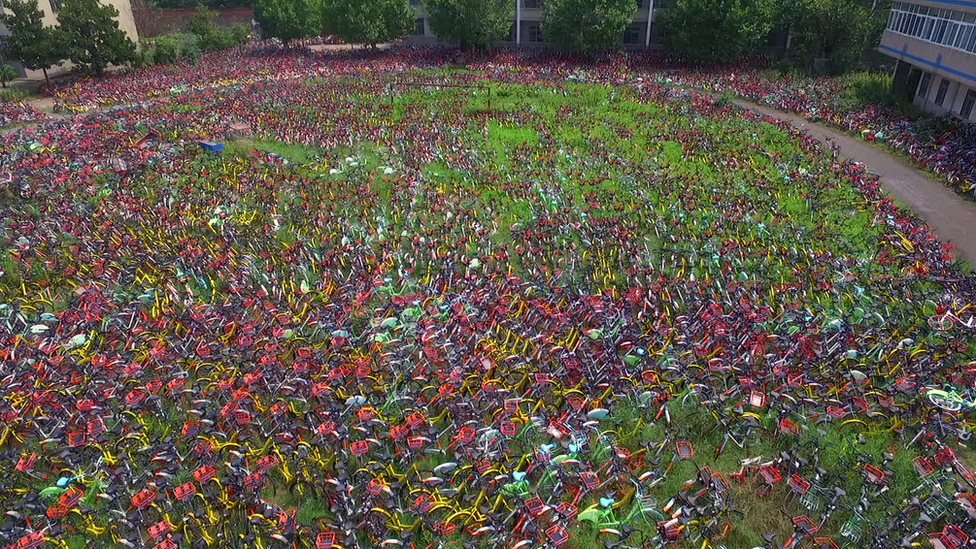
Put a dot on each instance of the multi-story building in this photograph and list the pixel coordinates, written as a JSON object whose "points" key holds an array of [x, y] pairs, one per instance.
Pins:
{"points": [[526, 30], [934, 42], [50, 8]]}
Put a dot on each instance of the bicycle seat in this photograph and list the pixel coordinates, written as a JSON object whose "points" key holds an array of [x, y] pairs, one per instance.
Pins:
{"points": [[607, 502], [769, 538]]}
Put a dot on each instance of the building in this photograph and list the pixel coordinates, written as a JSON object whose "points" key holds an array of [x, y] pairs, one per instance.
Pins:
{"points": [[934, 42], [50, 8], [642, 33]]}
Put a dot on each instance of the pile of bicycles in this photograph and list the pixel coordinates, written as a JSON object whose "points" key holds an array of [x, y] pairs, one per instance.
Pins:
{"points": [[18, 113], [588, 310]]}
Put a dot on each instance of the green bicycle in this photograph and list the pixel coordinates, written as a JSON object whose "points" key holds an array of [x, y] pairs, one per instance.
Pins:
{"points": [[643, 513], [951, 400]]}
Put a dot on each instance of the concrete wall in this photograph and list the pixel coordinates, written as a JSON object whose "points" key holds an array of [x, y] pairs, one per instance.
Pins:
{"points": [[941, 60]]}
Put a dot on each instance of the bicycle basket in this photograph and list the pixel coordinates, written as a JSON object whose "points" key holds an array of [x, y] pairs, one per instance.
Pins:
{"points": [[935, 506], [852, 529], [798, 484], [810, 501]]}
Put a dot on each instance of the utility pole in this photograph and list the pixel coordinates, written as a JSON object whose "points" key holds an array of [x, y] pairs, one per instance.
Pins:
{"points": [[650, 21], [518, 21]]}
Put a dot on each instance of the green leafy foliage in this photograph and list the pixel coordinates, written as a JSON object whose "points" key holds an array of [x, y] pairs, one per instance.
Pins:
{"points": [[586, 25], [177, 46], [467, 22], [203, 22], [13, 95], [92, 36], [710, 30], [7, 73], [369, 21], [839, 30], [239, 34], [289, 20], [36, 45]]}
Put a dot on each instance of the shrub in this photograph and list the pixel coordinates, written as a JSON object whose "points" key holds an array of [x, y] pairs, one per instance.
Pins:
{"points": [[13, 95], [167, 48], [866, 88], [216, 39], [176, 46], [7, 74], [239, 34], [203, 22], [146, 56]]}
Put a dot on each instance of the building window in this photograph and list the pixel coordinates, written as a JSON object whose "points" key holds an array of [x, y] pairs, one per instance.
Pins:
{"points": [[535, 34], [923, 87], [642, 3], [419, 30], [414, 2], [967, 104], [950, 28], [531, 4], [511, 33], [943, 88], [632, 35]]}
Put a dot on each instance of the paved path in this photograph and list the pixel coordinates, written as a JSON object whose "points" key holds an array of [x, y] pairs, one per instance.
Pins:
{"points": [[952, 217]]}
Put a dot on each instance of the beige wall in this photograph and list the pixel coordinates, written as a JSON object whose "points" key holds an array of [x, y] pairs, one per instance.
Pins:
{"points": [[952, 58], [126, 22]]}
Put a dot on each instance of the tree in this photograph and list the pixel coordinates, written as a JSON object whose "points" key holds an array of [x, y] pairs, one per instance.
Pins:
{"points": [[369, 21], [7, 74], [470, 22], [718, 30], [92, 36], [586, 25], [838, 30], [203, 23], [289, 20], [34, 44]]}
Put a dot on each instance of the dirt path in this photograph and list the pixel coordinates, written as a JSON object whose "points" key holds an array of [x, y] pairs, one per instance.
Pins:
{"points": [[952, 217]]}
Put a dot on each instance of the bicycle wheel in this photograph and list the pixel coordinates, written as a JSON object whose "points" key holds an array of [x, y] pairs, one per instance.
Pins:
{"points": [[942, 402], [940, 323]]}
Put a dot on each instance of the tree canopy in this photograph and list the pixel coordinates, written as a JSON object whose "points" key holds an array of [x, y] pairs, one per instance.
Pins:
{"points": [[369, 21], [838, 30], [717, 30], [92, 37], [586, 25], [36, 45], [289, 20], [470, 22]]}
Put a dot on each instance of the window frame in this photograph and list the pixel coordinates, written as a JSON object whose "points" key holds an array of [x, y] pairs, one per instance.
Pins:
{"points": [[925, 85], [940, 96], [967, 104]]}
